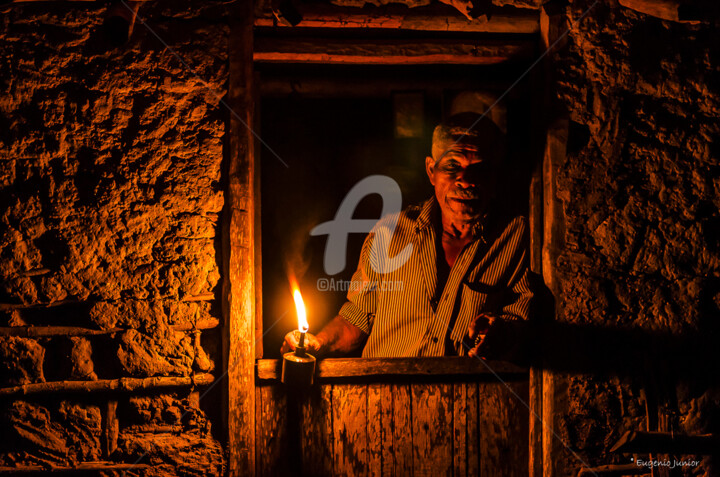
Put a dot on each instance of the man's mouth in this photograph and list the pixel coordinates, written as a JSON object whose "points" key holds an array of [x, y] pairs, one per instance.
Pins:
{"points": [[465, 201]]}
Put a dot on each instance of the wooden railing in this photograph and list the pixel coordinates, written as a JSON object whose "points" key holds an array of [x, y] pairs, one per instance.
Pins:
{"points": [[414, 417]]}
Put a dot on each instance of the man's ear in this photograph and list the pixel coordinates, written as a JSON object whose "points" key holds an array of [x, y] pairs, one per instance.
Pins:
{"points": [[430, 168]]}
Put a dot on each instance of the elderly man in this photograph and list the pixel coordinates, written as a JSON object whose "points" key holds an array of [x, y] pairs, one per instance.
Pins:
{"points": [[466, 278]]}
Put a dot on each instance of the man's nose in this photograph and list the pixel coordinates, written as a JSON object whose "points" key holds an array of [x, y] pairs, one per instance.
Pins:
{"points": [[465, 179]]}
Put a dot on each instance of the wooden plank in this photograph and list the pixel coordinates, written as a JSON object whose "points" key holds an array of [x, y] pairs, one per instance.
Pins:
{"points": [[355, 367], [349, 411], [317, 432], [272, 437], [465, 436], [436, 17], [460, 427], [386, 429], [390, 51], [473, 450], [375, 429], [238, 300], [402, 429], [503, 429], [432, 415], [535, 430]]}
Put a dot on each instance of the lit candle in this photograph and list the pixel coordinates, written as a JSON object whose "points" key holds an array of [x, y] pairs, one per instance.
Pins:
{"points": [[298, 366]]}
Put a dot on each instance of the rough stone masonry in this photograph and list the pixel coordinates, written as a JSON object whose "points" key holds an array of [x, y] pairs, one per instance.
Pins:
{"points": [[640, 190], [110, 196], [111, 191]]}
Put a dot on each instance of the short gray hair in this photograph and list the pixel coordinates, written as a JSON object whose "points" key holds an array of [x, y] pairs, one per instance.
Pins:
{"points": [[469, 128]]}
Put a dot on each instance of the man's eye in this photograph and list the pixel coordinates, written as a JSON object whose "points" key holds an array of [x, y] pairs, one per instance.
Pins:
{"points": [[451, 168]]}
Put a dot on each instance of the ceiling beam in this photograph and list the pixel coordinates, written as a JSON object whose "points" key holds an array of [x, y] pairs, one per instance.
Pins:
{"points": [[389, 51], [436, 17]]}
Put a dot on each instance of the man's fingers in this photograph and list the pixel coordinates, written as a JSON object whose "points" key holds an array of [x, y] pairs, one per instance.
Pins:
{"points": [[475, 350], [290, 342], [479, 325]]}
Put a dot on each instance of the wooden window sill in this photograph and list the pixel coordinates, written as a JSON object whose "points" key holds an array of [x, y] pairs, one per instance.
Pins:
{"points": [[338, 368]]}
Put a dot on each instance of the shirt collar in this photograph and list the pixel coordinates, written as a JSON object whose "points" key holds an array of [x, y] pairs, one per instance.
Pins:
{"points": [[426, 214]]}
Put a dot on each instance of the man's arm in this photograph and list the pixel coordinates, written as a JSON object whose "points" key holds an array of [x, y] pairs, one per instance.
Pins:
{"points": [[504, 335], [338, 337], [350, 329]]}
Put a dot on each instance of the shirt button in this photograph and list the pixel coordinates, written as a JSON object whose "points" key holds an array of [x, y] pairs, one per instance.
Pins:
{"points": [[435, 339]]}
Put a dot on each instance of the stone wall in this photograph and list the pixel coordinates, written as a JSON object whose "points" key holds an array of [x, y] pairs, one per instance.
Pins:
{"points": [[110, 197], [111, 190], [640, 190]]}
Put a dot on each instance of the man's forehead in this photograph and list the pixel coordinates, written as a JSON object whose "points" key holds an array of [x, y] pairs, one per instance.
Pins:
{"points": [[465, 133], [459, 150]]}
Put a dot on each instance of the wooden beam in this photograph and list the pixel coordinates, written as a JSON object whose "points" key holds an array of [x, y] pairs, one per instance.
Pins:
{"points": [[26, 306], [385, 367], [105, 385], [371, 86], [239, 249], [436, 17], [34, 331], [671, 10], [94, 467], [390, 51]]}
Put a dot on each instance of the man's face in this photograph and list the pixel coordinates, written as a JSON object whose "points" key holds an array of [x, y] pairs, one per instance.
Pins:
{"points": [[464, 182]]}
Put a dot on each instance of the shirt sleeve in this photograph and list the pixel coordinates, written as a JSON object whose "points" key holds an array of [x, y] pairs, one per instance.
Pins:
{"points": [[359, 309], [521, 293]]}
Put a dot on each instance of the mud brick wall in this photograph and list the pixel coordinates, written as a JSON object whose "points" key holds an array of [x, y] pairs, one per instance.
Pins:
{"points": [[110, 197], [640, 190]]}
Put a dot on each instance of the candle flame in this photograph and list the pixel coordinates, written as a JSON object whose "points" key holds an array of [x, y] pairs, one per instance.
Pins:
{"points": [[301, 315]]}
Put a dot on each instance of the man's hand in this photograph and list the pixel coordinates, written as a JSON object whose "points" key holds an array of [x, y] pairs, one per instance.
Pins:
{"points": [[292, 339], [337, 338], [484, 331]]}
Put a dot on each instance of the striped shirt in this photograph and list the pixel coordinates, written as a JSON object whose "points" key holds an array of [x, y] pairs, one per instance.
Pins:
{"points": [[393, 290]]}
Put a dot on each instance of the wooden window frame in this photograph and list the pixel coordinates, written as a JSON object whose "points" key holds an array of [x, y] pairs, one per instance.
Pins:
{"points": [[241, 296]]}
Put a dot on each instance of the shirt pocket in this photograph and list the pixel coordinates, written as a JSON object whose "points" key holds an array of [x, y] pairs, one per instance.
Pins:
{"points": [[480, 298], [476, 298]]}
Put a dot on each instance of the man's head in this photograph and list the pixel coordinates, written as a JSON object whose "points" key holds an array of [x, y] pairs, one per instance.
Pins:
{"points": [[466, 151]]}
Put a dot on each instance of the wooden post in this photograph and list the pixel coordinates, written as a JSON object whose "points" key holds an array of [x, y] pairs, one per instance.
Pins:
{"points": [[552, 241], [552, 27], [111, 428], [239, 250], [535, 218]]}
